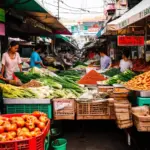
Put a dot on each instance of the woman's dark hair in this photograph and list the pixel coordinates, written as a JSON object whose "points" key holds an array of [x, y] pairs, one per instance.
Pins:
{"points": [[126, 53], [14, 43]]}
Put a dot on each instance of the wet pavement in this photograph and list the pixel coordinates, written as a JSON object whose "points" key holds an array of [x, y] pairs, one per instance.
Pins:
{"points": [[95, 135]]}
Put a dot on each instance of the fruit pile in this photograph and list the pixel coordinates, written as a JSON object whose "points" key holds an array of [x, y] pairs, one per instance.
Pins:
{"points": [[23, 127]]}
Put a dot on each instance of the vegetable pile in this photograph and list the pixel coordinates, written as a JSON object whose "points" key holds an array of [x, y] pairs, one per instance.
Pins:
{"points": [[23, 127], [91, 78], [112, 72], [42, 83], [121, 78], [10, 91], [140, 82]]}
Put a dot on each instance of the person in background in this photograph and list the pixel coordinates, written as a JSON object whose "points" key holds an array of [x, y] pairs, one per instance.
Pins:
{"points": [[105, 61], [35, 60], [11, 61], [91, 55], [125, 63]]}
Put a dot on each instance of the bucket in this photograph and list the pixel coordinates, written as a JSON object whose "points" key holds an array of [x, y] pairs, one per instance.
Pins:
{"points": [[59, 144]]}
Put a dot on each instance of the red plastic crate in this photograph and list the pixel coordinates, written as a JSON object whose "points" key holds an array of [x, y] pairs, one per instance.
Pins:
{"points": [[36, 143]]}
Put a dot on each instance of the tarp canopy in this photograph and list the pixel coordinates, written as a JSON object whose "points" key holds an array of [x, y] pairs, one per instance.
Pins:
{"points": [[33, 9], [62, 37], [140, 11], [24, 5]]}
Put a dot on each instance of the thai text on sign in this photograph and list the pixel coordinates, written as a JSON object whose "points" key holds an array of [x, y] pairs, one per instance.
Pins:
{"points": [[130, 40]]}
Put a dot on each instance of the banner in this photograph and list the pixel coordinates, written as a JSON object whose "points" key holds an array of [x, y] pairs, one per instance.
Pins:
{"points": [[2, 15], [2, 29], [130, 40]]}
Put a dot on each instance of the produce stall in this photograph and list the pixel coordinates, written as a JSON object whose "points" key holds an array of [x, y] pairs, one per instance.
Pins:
{"points": [[72, 95]]}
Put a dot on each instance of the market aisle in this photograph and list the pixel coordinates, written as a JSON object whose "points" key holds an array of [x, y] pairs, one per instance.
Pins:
{"points": [[98, 135]]}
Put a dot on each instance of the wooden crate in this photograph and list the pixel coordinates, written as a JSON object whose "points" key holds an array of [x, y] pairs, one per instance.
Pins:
{"points": [[64, 109], [124, 124], [105, 88], [120, 95], [94, 110], [142, 123]]}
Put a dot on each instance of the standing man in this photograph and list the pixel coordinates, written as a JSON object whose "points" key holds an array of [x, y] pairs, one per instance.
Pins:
{"points": [[105, 61]]}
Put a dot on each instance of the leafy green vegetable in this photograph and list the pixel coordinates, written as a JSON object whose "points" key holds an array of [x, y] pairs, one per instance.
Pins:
{"points": [[122, 77], [26, 77], [112, 72]]}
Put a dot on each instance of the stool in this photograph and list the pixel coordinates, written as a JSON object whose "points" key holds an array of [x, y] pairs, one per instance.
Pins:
{"points": [[143, 101]]}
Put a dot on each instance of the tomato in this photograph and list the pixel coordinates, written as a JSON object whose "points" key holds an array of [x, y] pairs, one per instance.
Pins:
{"points": [[20, 138], [25, 116], [13, 127], [37, 129], [41, 125], [43, 119], [3, 137], [9, 136], [27, 134], [24, 129], [36, 114], [20, 123], [30, 125], [1, 122], [1, 129], [33, 133], [4, 118], [31, 119], [18, 131], [36, 122], [7, 125], [13, 133]]}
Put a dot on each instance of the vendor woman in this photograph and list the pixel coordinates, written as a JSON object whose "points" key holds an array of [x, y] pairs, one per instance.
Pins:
{"points": [[35, 60], [125, 63], [11, 61]]}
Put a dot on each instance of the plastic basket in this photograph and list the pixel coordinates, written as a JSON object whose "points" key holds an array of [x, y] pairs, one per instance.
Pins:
{"points": [[47, 141], [36, 143], [94, 110], [29, 108], [64, 109], [62, 144], [143, 101]]}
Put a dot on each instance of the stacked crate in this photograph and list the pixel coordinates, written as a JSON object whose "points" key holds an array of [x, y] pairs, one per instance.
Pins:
{"points": [[122, 109]]}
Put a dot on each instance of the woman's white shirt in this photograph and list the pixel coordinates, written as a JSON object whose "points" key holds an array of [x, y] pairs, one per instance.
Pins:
{"points": [[125, 65]]}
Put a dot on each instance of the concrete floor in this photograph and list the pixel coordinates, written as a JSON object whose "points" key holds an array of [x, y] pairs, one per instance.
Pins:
{"points": [[94, 135]]}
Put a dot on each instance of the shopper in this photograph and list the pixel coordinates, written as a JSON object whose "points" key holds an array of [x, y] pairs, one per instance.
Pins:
{"points": [[35, 60], [105, 61], [125, 63], [11, 61]]}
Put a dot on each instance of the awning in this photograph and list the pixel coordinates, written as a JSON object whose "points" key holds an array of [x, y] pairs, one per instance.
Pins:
{"points": [[24, 5], [36, 11], [99, 33], [140, 11], [62, 37]]}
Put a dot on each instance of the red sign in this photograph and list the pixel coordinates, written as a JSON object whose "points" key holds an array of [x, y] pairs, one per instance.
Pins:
{"points": [[130, 40]]}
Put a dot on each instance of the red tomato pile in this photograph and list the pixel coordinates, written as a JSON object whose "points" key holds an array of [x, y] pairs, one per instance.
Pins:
{"points": [[19, 128]]}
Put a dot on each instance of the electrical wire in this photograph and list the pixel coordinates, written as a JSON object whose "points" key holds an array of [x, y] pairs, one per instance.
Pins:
{"points": [[80, 13], [76, 7], [70, 9]]}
